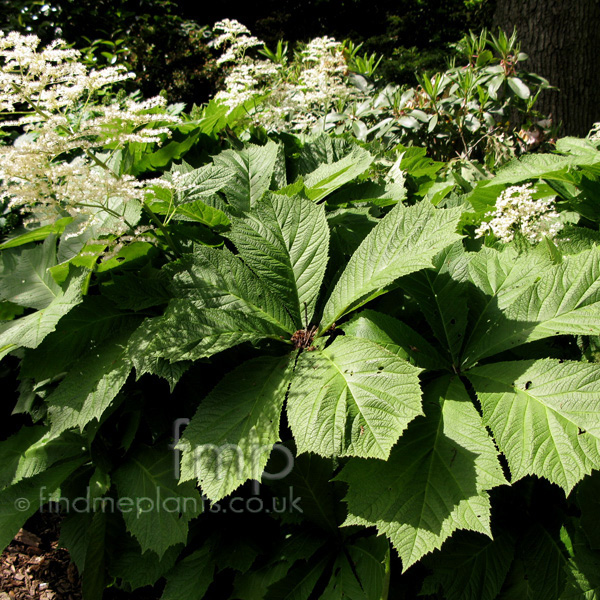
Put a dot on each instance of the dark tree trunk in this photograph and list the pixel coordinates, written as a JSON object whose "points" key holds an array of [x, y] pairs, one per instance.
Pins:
{"points": [[562, 39]]}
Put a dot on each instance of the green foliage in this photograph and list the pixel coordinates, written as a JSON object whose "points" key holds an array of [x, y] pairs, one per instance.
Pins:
{"points": [[190, 578], [229, 439], [553, 397], [285, 242], [27, 281], [251, 170], [148, 474], [466, 111], [31, 330], [479, 108], [377, 399], [403, 242], [435, 481], [471, 566], [363, 407]]}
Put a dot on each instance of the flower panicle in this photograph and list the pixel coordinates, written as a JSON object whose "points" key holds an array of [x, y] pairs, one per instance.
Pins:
{"points": [[296, 101], [63, 160], [517, 211]]}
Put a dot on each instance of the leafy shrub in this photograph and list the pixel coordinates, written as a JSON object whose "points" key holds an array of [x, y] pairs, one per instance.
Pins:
{"points": [[464, 112], [290, 96], [383, 391]]}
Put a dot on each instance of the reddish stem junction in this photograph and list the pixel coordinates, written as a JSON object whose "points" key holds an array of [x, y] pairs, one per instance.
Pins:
{"points": [[303, 338]]}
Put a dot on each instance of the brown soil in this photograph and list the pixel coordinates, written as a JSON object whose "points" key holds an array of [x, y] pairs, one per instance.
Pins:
{"points": [[33, 567]]}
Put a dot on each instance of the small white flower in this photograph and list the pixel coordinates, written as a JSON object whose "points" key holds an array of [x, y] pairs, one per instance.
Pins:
{"points": [[236, 37], [517, 211], [594, 134]]}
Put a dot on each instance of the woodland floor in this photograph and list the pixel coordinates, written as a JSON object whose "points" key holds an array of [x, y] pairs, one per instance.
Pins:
{"points": [[33, 567]]}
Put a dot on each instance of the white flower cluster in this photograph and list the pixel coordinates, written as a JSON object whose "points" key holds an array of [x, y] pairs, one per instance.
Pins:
{"points": [[245, 81], [517, 211], [319, 48], [299, 96], [321, 83], [317, 89], [52, 79], [594, 134], [61, 162], [236, 37]]}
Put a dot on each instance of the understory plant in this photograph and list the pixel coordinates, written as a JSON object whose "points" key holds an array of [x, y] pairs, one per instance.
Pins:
{"points": [[295, 370], [483, 109]]}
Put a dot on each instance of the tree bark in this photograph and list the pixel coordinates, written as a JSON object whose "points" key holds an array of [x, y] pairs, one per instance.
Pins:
{"points": [[562, 39]]}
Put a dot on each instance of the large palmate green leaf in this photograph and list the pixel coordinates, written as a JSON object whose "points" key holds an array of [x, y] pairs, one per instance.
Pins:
{"points": [[499, 279], [470, 566], [188, 331], [503, 275], [329, 177], [545, 416], [406, 240], [397, 337], [219, 279], [285, 242], [435, 480], [24, 275], [156, 508], [442, 297], [29, 331], [230, 438], [532, 300], [90, 385], [252, 170], [353, 398]]}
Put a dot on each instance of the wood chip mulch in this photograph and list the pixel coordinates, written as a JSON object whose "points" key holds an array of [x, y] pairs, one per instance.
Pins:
{"points": [[33, 567]]}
